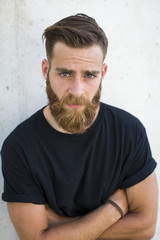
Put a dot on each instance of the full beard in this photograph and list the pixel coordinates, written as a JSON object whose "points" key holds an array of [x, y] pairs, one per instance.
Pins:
{"points": [[74, 121]]}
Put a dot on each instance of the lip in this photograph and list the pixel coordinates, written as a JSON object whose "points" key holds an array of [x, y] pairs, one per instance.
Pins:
{"points": [[74, 106]]}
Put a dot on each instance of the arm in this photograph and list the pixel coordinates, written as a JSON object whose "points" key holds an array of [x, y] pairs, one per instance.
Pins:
{"points": [[140, 222], [31, 221]]}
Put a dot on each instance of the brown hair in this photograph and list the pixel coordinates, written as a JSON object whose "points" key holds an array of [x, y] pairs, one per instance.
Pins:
{"points": [[75, 31]]}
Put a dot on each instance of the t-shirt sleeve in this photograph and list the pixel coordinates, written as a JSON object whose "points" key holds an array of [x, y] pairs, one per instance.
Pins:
{"points": [[140, 164], [19, 184]]}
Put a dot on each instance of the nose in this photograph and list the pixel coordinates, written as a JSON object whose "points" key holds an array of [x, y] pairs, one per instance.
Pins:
{"points": [[76, 88]]}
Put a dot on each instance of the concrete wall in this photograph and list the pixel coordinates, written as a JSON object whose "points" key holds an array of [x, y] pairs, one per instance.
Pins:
{"points": [[133, 80]]}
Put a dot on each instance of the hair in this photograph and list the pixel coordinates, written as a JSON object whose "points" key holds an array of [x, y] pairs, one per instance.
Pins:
{"points": [[76, 31]]}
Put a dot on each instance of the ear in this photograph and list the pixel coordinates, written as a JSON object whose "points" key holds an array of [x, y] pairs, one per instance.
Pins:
{"points": [[45, 68], [104, 70]]}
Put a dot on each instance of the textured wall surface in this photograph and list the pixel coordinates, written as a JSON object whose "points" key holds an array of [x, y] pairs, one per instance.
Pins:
{"points": [[132, 82]]}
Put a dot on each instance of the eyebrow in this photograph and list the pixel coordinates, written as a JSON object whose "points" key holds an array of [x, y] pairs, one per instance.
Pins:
{"points": [[92, 72], [72, 71], [64, 70]]}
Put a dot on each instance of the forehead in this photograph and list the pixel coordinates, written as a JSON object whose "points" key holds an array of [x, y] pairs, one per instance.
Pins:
{"points": [[63, 54]]}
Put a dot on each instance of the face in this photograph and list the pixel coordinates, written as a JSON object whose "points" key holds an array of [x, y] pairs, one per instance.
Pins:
{"points": [[73, 85]]}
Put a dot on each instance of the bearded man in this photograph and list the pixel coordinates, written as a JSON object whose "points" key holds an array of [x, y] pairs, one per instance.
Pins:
{"points": [[79, 169]]}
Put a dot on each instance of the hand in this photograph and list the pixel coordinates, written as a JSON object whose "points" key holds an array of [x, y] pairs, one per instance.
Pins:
{"points": [[120, 198]]}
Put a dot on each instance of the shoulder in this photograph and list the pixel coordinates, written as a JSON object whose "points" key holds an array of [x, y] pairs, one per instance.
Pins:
{"points": [[24, 131], [121, 118]]}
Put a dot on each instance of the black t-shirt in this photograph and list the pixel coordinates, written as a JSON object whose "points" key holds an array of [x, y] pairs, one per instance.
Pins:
{"points": [[74, 173]]}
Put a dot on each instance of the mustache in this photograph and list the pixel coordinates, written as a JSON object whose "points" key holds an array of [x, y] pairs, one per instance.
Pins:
{"points": [[70, 99]]}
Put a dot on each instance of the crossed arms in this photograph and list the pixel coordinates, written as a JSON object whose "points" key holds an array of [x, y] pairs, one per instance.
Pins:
{"points": [[139, 203]]}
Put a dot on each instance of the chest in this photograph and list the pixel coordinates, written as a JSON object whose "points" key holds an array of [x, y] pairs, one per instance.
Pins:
{"points": [[76, 177]]}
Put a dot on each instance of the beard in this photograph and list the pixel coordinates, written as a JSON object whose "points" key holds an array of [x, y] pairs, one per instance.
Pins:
{"points": [[74, 121]]}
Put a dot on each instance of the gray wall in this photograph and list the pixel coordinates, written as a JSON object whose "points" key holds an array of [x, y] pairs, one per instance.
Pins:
{"points": [[132, 81]]}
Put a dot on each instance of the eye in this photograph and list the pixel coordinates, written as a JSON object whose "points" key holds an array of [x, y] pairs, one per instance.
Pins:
{"points": [[90, 76], [65, 74]]}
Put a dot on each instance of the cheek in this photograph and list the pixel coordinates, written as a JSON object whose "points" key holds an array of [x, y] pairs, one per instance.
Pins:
{"points": [[94, 86], [59, 88], [95, 83], [92, 92]]}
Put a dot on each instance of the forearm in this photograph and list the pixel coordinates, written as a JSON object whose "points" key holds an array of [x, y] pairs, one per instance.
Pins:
{"points": [[140, 222], [89, 227], [134, 226]]}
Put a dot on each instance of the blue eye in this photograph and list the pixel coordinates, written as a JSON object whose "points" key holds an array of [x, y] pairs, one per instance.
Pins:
{"points": [[65, 74], [90, 76]]}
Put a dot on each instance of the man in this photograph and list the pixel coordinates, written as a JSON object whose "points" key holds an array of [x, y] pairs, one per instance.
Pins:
{"points": [[79, 169]]}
